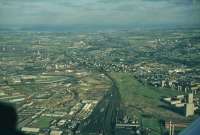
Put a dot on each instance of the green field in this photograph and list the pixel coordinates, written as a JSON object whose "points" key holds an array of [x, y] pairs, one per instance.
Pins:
{"points": [[42, 122], [143, 101], [142, 98]]}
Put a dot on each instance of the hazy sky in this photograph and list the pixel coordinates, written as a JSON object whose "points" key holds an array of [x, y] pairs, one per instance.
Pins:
{"points": [[98, 12]]}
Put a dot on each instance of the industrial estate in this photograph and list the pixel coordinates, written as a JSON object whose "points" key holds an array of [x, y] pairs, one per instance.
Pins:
{"points": [[102, 83]]}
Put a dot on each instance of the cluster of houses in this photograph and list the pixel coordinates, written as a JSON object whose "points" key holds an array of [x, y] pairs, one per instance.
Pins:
{"points": [[57, 128], [184, 80]]}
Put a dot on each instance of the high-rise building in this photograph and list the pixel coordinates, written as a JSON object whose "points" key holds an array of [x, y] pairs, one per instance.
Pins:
{"points": [[189, 98], [189, 106]]}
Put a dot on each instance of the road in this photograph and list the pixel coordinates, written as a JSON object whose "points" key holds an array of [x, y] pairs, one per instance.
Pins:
{"points": [[103, 118]]}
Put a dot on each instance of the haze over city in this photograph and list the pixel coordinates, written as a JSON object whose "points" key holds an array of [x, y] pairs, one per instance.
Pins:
{"points": [[98, 13]]}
